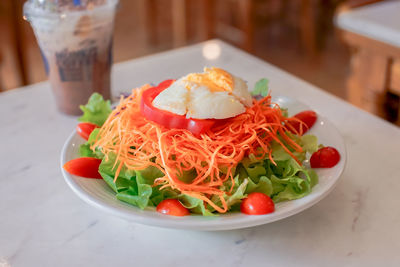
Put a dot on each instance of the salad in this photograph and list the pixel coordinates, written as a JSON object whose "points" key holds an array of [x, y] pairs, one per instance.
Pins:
{"points": [[202, 144]]}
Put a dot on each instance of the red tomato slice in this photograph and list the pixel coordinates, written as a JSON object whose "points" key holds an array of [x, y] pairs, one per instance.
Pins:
{"points": [[84, 167], [172, 207], [326, 157], [84, 129], [309, 117], [169, 119], [257, 204]]}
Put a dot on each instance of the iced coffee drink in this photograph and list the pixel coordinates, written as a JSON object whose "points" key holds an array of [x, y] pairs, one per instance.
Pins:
{"points": [[75, 38]]}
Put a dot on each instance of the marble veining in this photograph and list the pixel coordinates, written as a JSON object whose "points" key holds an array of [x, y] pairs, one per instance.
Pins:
{"points": [[357, 206], [76, 235]]}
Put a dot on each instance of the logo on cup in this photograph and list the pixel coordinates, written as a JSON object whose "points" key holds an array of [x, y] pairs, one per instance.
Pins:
{"points": [[76, 65]]}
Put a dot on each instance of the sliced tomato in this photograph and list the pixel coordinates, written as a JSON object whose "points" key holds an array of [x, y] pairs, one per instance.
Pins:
{"points": [[84, 129], [84, 167], [169, 119], [257, 204], [308, 117], [325, 157], [172, 207]]}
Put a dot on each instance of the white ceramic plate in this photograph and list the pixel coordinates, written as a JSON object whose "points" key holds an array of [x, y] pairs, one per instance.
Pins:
{"points": [[97, 193]]}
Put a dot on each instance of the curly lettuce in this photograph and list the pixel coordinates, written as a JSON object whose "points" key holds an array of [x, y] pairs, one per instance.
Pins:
{"points": [[96, 111]]}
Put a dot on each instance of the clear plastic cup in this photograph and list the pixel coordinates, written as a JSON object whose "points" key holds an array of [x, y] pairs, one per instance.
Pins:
{"points": [[76, 45]]}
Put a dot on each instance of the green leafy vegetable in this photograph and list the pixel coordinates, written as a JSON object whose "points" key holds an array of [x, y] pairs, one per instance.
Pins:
{"points": [[264, 185], [137, 192], [195, 205], [96, 110], [261, 88], [309, 143], [133, 187], [293, 188], [86, 151], [232, 200], [313, 177], [284, 180]]}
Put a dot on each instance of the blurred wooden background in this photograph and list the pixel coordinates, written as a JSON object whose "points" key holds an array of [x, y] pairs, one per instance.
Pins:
{"points": [[296, 35], [290, 34]]}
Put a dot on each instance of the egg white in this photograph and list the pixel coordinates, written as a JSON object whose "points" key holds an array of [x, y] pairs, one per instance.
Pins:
{"points": [[174, 98], [199, 102]]}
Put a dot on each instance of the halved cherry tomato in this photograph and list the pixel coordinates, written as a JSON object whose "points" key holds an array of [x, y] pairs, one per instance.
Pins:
{"points": [[325, 157], [85, 167], [84, 129], [169, 119], [172, 207], [309, 117], [257, 204]]}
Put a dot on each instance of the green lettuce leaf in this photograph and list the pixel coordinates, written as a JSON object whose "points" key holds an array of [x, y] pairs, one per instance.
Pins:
{"points": [[138, 193], [264, 185], [313, 177], [96, 110], [261, 88], [294, 188], [195, 205], [232, 200], [254, 167], [239, 193], [86, 151], [159, 195], [284, 180], [133, 187], [309, 143]]}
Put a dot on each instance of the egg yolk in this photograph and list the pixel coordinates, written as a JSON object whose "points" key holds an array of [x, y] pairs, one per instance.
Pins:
{"points": [[216, 79]]}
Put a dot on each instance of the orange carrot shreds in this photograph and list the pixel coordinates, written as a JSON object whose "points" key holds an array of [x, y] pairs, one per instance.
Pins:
{"points": [[139, 143]]}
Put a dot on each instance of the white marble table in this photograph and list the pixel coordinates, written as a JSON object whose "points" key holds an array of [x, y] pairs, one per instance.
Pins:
{"points": [[43, 223], [380, 21]]}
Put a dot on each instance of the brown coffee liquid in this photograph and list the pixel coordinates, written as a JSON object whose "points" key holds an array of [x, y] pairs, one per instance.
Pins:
{"points": [[76, 75]]}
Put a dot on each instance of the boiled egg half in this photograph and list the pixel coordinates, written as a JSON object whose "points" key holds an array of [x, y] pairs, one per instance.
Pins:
{"points": [[213, 94]]}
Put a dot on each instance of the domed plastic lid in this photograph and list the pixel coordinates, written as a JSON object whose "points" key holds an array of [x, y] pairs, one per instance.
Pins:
{"points": [[51, 8], [66, 5]]}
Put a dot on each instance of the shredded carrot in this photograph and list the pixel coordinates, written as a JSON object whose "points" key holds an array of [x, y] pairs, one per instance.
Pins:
{"points": [[139, 143]]}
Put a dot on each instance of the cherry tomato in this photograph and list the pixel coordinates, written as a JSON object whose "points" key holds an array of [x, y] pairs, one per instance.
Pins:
{"points": [[84, 129], [309, 117], [169, 119], [257, 204], [325, 157], [172, 207], [84, 167]]}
